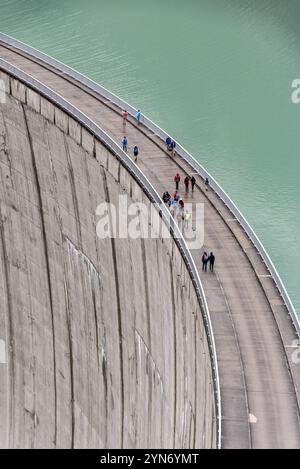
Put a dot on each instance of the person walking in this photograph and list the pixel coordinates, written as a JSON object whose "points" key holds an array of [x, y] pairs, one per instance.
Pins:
{"points": [[212, 259], [173, 147], [180, 218], [187, 218], [176, 196], [125, 144], [193, 182], [181, 212], [173, 207], [204, 262], [166, 197], [177, 181], [136, 152], [168, 142], [187, 183], [138, 116], [125, 117]]}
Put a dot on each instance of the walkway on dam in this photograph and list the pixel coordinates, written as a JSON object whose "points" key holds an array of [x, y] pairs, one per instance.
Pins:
{"points": [[260, 385]]}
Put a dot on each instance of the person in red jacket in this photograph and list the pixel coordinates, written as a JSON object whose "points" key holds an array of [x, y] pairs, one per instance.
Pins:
{"points": [[125, 117], [177, 180], [187, 183], [176, 196]]}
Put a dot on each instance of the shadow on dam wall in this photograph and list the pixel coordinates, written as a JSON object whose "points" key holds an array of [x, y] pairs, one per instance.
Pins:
{"points": [[105, 342]]}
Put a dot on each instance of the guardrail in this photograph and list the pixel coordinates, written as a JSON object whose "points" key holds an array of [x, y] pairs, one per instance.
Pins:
{"points": [[75, 113], [184, 154]]}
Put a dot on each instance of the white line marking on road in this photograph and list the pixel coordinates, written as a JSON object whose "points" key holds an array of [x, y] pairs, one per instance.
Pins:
{"points": [[264, 276]]}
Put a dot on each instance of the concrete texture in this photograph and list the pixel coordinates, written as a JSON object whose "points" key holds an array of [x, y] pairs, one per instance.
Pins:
{"points": [[105, 340], [260, 383]]}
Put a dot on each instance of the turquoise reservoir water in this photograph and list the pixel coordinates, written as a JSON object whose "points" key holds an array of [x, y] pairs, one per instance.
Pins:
{"points": [[217, 74]]}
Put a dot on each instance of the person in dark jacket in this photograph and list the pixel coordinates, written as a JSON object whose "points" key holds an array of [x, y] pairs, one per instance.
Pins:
{"points": [[204, 262], [193, 182], [168, 142], [173, 147], [136, 152], [187, 183], [181, 204], [125, 144], [166, 197], [212, 259]]}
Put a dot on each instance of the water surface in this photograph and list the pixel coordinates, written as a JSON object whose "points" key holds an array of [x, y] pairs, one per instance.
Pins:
{"points": [[216, 74]]}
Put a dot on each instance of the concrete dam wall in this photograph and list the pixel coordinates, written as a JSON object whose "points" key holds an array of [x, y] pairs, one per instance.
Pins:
{"points": [[104, 338]]}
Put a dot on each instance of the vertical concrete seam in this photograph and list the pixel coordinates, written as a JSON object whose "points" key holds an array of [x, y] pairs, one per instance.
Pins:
{"points": [[77, 217], [115, 264], [149, 334], [146, 293], [93, 286], [10, 331], [69, 328], [73, 191], [9, 86], [4, 148], [47, 263]]}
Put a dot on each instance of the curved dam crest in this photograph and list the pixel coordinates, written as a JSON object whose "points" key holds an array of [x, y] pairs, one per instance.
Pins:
{"points": [[106, 344], [253, 326]]}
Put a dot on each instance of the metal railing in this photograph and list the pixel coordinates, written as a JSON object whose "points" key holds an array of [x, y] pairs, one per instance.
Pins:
{"points": [[184, 154], [125, 160]]}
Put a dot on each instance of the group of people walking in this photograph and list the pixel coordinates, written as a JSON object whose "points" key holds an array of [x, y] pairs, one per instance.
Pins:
{"points": [[171, 145], [137, 116], [176, 206], [208, 259], [187, 181], [175, 203], [135, 150], [125, 146]]}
